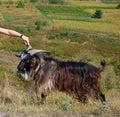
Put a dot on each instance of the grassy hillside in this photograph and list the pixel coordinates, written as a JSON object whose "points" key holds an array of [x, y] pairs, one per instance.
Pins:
{"points": [[69, 31]]}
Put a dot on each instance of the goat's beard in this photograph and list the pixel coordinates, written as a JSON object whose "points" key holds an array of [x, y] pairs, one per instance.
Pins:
{"points": [[26, 75]]}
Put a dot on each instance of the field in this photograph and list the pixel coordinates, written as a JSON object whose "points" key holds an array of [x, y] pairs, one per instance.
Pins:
{"points": [[71, 33]]}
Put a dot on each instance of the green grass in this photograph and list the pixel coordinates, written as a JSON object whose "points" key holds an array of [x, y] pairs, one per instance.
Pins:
{"points": [[1, 73], [60, 9], [72, 17]]}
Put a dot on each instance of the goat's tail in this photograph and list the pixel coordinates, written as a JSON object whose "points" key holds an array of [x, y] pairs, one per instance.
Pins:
{"points": [[102, 65]]}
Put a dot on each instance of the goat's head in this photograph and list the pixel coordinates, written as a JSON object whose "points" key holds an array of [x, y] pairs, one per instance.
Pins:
{"points": [[30, 62]]}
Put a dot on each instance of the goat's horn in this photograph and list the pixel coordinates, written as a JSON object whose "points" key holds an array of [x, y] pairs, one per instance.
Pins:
{"points": [[18, 55], [29, 48], [34, 51]]}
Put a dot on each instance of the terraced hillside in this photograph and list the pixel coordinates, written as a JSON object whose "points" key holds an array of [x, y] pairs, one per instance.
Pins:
{"points": [[69, 31]]}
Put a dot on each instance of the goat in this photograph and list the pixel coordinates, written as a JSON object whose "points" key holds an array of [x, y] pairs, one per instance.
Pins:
{"points": [[78, 79]]}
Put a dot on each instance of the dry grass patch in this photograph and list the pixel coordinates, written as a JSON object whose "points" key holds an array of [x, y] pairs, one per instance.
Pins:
{"points": [[59, 104], [90, 3], [112, 16], [88, 26]]}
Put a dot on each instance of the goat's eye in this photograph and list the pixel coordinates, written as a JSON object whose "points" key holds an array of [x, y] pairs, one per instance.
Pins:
{"points": [[31, 63], [27, 61]]}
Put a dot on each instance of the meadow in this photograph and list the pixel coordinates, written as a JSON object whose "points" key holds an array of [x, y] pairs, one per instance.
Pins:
{"points": [[69, 31]]}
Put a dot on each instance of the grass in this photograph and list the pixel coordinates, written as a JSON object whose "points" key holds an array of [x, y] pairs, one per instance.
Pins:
{"points": [[91, 3], [80, 18], [73, 35], [100, 27], [60, 105], [59, 9]]}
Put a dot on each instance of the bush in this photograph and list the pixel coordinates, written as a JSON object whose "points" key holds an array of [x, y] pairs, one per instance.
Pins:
{"points": [[55, 1], [37, 23], [10, 2], [33, 0], [20, 4], [0, 2], [97, 14], [118, 6], [41, 22]]}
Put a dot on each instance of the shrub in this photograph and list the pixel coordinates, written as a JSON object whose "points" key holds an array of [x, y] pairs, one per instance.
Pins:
{"points": [[41, 22], [20, 4], [97, 14], [0, 2], [55, 1], [118, 6], [64, 34], [33, 0], [37, 23], [10, 2]]}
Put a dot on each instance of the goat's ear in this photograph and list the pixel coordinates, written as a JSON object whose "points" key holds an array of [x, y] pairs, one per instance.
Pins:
{"points": [[42, 60]]}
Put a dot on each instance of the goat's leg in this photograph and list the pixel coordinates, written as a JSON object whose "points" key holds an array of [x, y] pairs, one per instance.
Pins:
{"points": [[43, 96], [38, 95], [83, 99], [101, 96]]}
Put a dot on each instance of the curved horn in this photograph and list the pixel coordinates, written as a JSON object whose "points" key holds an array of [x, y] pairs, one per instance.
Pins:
{"points": [[18, 55], [34, 51], [29, 48]]}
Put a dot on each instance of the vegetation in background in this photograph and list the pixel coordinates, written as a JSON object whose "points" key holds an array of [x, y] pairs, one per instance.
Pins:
{"points": [[10, 2], [33, 1], [41, 22], [58, 9], [0, 2], [20, 4], [54, 1], [118, 6], [37, 23], [97, 14]]}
